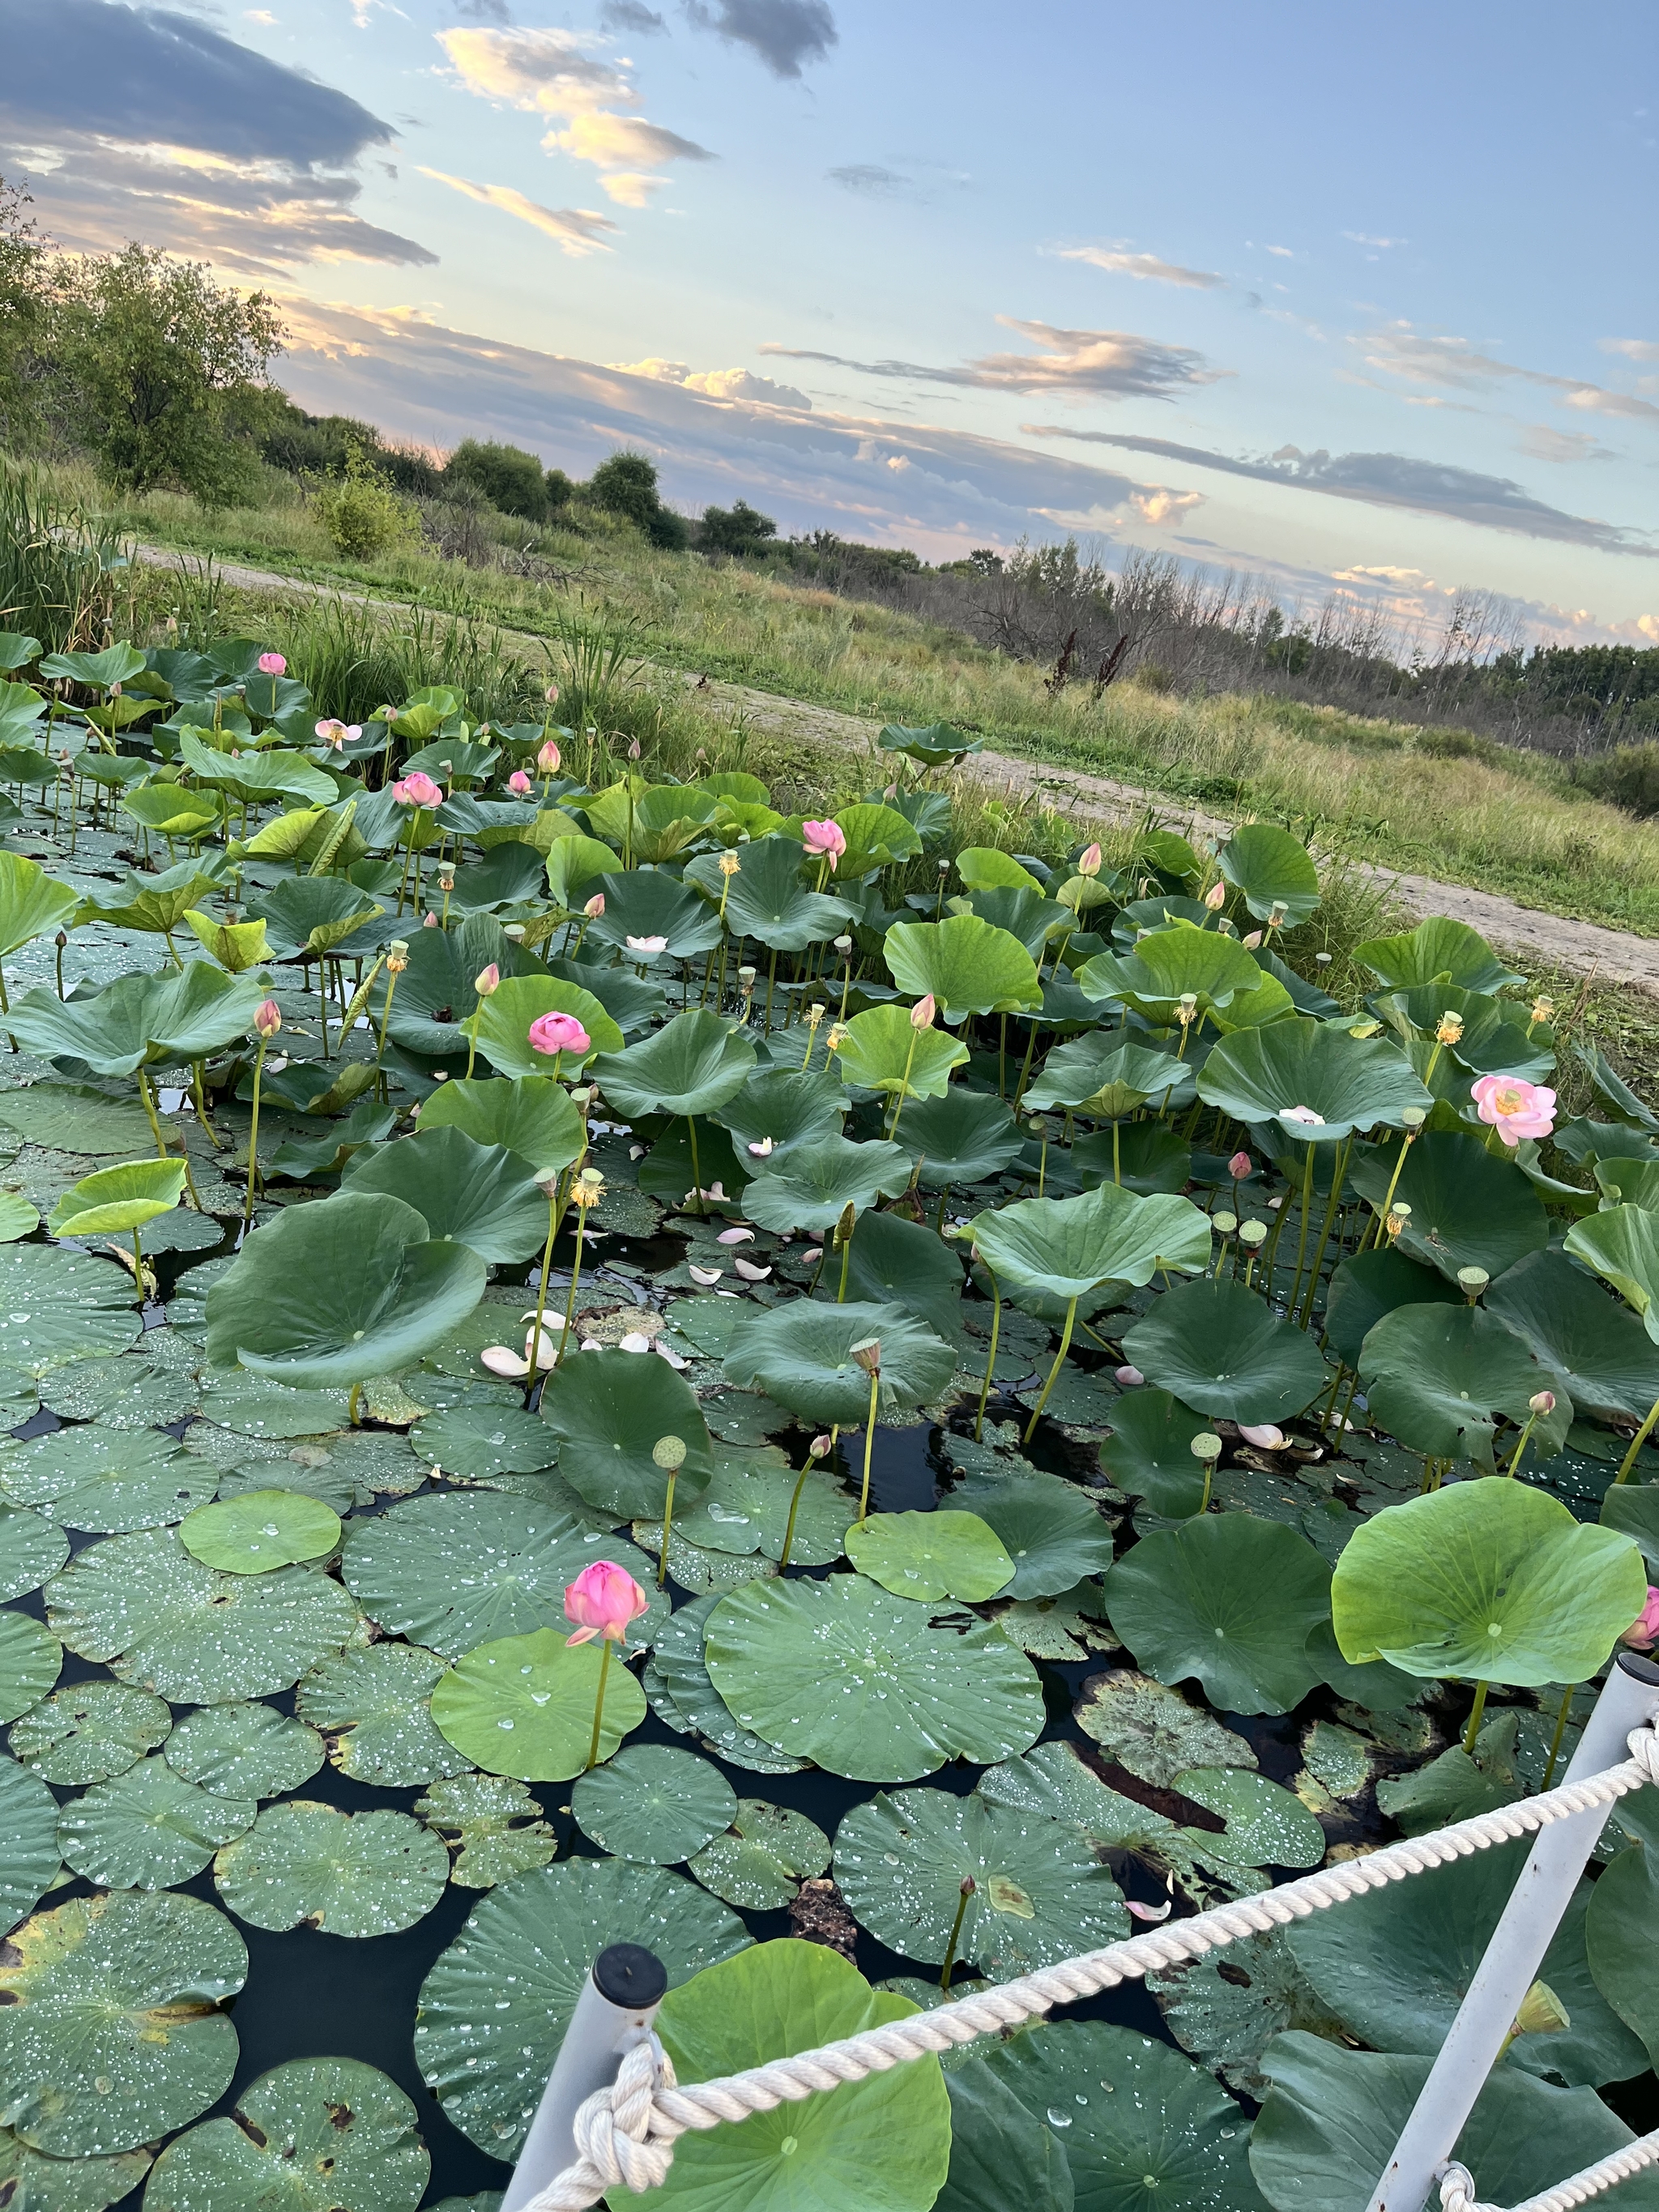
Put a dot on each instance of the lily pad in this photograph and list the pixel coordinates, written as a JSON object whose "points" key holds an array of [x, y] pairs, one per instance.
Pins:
{"points": [[148, 1828], [653, 1804], [809, 1185], [678, 1675], [1266, 1825], [31, 1661], [746, 1509], [474, 1443], [131, 1392], [801, 1354], [350, 1874], [1598, 1347], [992, 2135], [609, 1410], [32, 1550], [1149, 1453], [254, 1408], [1152, 1731], [75, 1118], [312, 2135], [1052, 1532], [1224, 2009], [524, 1706], [260, 1531], [55, 1306], [929, 1556], [866, 1685], [374, 1708], [533, 1943], [107, 1480], [89, 1732], [1438, 1377], [1220, 1349], [64, 2185], [764, 1857], [244, 1750], [492, 1823], [28, 1845]]}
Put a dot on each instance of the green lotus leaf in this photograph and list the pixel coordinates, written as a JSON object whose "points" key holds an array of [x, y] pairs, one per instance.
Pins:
{"points": [[1063, 1247], [28, 1846], [152, 904], [1109, 1076], [1270, 868], [524, 1706], [786, 1106], [481, 1195], [1599, 1349], [1626, 1182], [653, 1805], [437, 993], [964, 1137], [505, 1020], [32, 1549], [933, 746], [643, 905], [527, 1115], [930, 1556], [533, 1944], [1220, 1349], [66, 1116], [679, 1688], [876, 836], [1040, 1894], [134, 1391], [895, 1262], [1266, 1825], [1145, 1157], [32, 904], [694, 1064], [1024, 914], [474, 1444], [260, 1530], [574, 868], [58, 1306], [89, 1732], [669, 817], [492, 1823], [1437, 950], [1495, 1040], [761, 1861], [142, 1606], [140, 1017], [1349, 1083], [243, 1750], [1468, 1209], [453, 1571], [351, 1874], [277, 775], [1439, 1377], [116, 663], [30, 1664], [992, 2135], [1051, 1531], [766, 2004], [810, 1186], [372, 1708], [766, 899], [508, 875], [967, 965], [1618, 1931], [112, 1199], [64, 2185], [1367, 1285], [311, 2135], [1334, 2116], [311, 916], [610, 1410], [106, 1481], [746, 1508], [864, 1684], [881, 1050], [148, 1828], [1168, 965], [1486, 1581], [1227, 2019], [1152, 1730], [1149, 1452], [1228, 1598], [111, 2035], [1622, 1247], [339, 1292], [801, 1354]]}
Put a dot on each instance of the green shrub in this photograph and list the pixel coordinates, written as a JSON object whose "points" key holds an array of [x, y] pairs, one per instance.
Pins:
{"points": [[508, 476], [361, 513], [1628, 777]]}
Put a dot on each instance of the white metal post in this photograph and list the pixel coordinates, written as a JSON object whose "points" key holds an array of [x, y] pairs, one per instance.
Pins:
{"points": [[1629, 1697], [619, 2003]]}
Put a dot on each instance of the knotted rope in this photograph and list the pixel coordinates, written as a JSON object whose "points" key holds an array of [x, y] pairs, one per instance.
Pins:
{"points": [[1457, 2183], [625, 2134]]}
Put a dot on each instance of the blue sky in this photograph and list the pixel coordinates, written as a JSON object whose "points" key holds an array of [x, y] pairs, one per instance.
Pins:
{"points": [[1357, 302]]}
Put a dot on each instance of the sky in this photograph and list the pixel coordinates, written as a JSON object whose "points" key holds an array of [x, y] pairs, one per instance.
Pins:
{"points": [[1357, 304]]}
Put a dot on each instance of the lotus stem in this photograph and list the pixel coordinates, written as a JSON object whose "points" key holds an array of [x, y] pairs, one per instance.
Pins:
{"points": [[1271, 1251], [1373, 1228], [1025, 1067], [147, 1096], [991, 1356], [392, 975], [1053, 1372], [794, 1501], [254, 1135], [668, 1524], [138, 1268], [598, 1705], [869, 1442], [352, 1403], [1526, 1435], [1338, 1176], [201, 1104], [1002, 1055], [696, 1171], [1473, 1728], [904, 1084], [570, 1302], [967, 1888], [1117, 1165], [1636, 1445], [1555, 1740], [771, 985], [1302, 1241]]}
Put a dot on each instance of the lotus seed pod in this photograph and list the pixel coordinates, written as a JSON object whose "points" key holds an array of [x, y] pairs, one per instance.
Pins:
{"points": [[867, 1355], [1206, 1446], [1414, 1117], [1473, 1279], [669, 1453], [1541, 2012], [1223, 1223], [1252, 1233]]}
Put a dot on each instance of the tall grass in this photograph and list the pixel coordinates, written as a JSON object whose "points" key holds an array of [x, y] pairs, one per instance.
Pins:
{"points": [[60, 568]]}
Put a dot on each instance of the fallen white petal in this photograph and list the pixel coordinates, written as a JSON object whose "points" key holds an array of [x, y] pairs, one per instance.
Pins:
{"points": [[1149, 1911], [1130, 1377], [736, 1237], [812, 1255], [592, 1344], [636, 1340], [637, 1151], [749, 1273], [708, 1276], [499, 1360], [1264, 1435], [673, 1358]]}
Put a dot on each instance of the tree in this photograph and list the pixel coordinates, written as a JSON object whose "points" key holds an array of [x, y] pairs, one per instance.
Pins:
{"points": [[559, 489], [508, 476], [737, 529], [626, 485], [25, 317], [166, 374]]}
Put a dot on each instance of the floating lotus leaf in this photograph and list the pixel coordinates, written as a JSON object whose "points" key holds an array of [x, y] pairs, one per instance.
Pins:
{"points": [[64, 2185], [896, 1262], [28, 1846], [679, 1683], [111, 1200], [140, 1017], [89, 1732], [764, 1857], [1063, 1247], [260, 1530], [492, 1823], [311, 2135], [1351, 1083], [59, 1306], [1618, 1934], [1053, 1533], [1227, 2019], [1110, 1076], [1170, 965], [653, 1804], [809, 1186], [74, 1117], [968, 965], [1369, 1284], [1622, 1247], [135, 1391], [339, 1292], [255, 1407], [609, 1410], [1153, 1731], [350, 1874], [524, 1706], [1041, 1894], [930, 1556], [694, 1064], [1489, 1581], [1437, 950], [866, 1685], [107, 1480], [474, 1443], [1270, 868], [1228, 1599], [778, 1999], [111, 2035], [533, 1944], [746, 1509], [881, 1050], [801, 1354], [527, 1114], [148, 1828], [480, 1195], [1149, 1452], [372, 1707], [140, 1604], [1438, 1377], [962, 1137], [30, 1662], [32, 1549], [1468, 1209], [1266, 1825], [244, 1750], [1219, 1348]]}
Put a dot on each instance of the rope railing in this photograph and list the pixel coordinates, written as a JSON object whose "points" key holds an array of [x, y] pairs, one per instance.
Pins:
{"points": [[625, 2134]]}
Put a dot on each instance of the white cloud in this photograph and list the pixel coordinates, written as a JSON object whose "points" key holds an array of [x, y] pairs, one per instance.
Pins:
{"points": [[1546, 443], [623, 142], [1160, 505], [1382, 244], [1118, 262], [577, 230], [1430, 357], [717, 383], [1634, 349], [629, 188], [1110, 364]]}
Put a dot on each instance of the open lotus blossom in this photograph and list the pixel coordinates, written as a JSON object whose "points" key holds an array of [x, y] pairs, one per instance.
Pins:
{"points": [[1305, 1115], [602, 1601], [418, 790], [1644, 1630], [1264, 1435], [338, 734], [272, 664], [554, 1033], [519, 784], [649, 946], [762, 1150], [750, 1272], [736, 1237], [1128, 1378], [548, 758], [1514, 1107], [707, 1276], [267, 1018], [823, 841]]}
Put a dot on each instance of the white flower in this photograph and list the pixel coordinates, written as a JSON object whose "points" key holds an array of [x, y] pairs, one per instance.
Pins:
{"points": [[648, 945], [1305, 1114]]}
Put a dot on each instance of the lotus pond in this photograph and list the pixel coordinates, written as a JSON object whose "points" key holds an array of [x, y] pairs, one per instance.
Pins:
{"points": [[1084, 1425]]}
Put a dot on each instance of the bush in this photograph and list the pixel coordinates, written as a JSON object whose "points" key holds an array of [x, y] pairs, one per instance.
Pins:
{"points": [[737, 529], [559, 489], [508, 476], [626, 485], [1628, 777], [361, 513], [1459, 744]]}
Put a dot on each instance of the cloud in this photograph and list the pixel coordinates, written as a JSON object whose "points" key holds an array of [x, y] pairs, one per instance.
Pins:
{"points": [[1389, 480], [623, 142], [631, 15], [1382, 244], [1161, 505], [1544, 443], [546, 72], [577, 230], [1118, 262], [1105, 364], [870, 178], [1634, 349], [629, 188], [784, 33], [717, 383], [1430, 357]]}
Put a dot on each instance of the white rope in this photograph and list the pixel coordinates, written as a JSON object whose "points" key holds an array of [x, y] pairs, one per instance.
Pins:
{"points": [[1457, 2183], [625, 2134]]}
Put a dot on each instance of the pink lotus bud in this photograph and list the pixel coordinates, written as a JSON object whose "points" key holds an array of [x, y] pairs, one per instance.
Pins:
{"points": [[823, 841], [1644, 1630], [268, 1018], [1239, 1166], [921, 1014], [602, 1601], [272, 664], [634, 750], [595, 906], [551, 694], [1216, 897], [418, 790], [519, 782], [1128, 1378], [1542, 1402], [1252, 941], [487, 981], [819, 1448], [555, 1033], [1514, 1107], [431, 922], [548, 758], [1089, 862]]}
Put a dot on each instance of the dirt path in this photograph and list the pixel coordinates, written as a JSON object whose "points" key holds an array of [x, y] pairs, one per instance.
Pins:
{"points": [[1613, 956]]}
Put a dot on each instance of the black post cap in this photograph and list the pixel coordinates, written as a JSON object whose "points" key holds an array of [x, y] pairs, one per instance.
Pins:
{"points": [[1643, 1669], [630, 1976]]}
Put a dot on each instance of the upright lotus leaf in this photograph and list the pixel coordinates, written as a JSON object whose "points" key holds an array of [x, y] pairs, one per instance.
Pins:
{"points": [[1040, 1894], [155, 903], [574, 868], [800, 1353], [251, 776], [1495, 1039], [1351, 1083], [865, 1684], [1053, 1531], [1228, 1599], [527, 1114], [148, 1828], [876, 836], [1626, 1182], [110, 1200], [505, 1020], [437, 996], [1025, 913], [311, 916], [1221, 1350], [609, 1410], [1598, 1348], [1437, 950], [140, 1017], [1062, 1248], [1486, 1581], [1108, 1076], [311, 2135], [644, 903], [89, 1732], [1622, 1247], [993, 2134], [931, 1556], [766, 2004], [969, 966], [895, 1262], [32, 904], [933, 744], [1438, 1377], [785, 1106], [1619, 1929], [693, 1065], [1271, 869], [356, 1875], [1368, 1284], [1468, 1209], [111, 2035], [1149, 1452], [964, 1137], [812, 1184], [481, 1195], [668, 817], [766, 899], [336, 1294], [1168, 965], [880, 1049]]}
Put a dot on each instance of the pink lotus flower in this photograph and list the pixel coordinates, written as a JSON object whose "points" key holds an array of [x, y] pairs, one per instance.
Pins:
{"points": [[1216, 897], [418, 790], [921, 1014], [823, 841], [602, 1601], [267, 1018], [555, 1033], [1514, 1107], [1129, 1378], [519, 782], [272, 664], [1239, 1166], [431, 922], [548, 758], [1644, 1630], [339, 734], [595, 906], [1089, 861], [651, 946]]}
